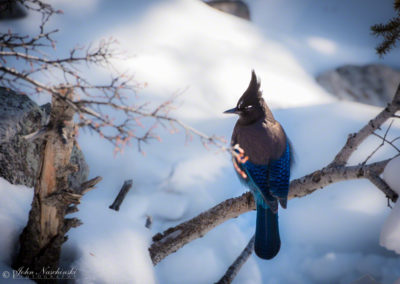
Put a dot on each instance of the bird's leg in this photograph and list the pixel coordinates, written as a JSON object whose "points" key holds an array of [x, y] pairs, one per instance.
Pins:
{"points": [[239, 170], [238, 153], [239, 157]]}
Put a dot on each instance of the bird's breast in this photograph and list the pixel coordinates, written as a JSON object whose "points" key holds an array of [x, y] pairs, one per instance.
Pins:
{"points": [[261, 142]]}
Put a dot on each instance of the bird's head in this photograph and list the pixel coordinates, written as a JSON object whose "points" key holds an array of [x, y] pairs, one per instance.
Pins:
{"points": [[251, 106]]}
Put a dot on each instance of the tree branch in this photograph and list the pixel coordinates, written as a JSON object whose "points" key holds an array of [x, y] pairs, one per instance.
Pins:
{"points": [[176, 237], [238, 263], [383, 186], [354, 140], [121, 195]]}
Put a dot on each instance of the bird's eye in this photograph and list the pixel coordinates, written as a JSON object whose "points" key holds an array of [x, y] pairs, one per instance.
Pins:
{"points": [[249, 107]]}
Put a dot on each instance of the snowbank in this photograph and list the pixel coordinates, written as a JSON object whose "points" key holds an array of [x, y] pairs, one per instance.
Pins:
{"points": [[390, 234], [331, 236]]}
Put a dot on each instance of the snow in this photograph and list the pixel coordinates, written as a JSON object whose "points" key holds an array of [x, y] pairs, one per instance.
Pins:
{"points": [[15, 203], [322, 45], [331, 236], [117, 254], [213, 56], [391, 174], [390, 233]]}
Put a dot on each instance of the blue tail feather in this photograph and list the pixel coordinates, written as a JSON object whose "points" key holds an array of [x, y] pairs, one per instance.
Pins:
{"points": [[267, 241]]}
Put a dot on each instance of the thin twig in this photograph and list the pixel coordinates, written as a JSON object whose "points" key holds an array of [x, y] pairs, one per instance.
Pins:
{"points": [[382, 143], [233, 270], [387, 141], [355, 139]]}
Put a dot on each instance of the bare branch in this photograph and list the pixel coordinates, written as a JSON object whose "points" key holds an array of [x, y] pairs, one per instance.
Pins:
{"points": [[176, 237], [355, 139], [238, 263], [305, 185], [387, 141], [121, 195], [93, 100], [380, 145], [383, 186], [89, 185]]}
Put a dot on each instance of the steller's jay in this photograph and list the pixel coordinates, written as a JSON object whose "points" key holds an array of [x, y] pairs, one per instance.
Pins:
{"points": [[262, 158]]}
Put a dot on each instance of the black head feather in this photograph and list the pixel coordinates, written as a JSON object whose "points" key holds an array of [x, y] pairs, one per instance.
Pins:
{"points": [[252, 95], [251, 106]]}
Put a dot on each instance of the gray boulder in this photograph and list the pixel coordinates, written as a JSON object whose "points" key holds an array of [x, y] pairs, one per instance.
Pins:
{"points": [[19, 159], [237, 8], [372, 84]]}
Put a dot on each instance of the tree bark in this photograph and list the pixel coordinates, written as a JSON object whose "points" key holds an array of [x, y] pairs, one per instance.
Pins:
{"points": [[355, 139], [176, 237], [41, 239]]}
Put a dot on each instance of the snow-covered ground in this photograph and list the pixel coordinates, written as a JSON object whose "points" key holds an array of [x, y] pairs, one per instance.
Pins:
{"points": [[331, 236]]}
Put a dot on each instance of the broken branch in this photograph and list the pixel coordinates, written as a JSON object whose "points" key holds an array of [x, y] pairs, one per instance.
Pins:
{"points": [[121, 195]]}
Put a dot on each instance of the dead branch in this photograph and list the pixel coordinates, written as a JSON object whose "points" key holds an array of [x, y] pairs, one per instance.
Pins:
{"points": [[383, 186], [354, 140], [121, 195], [89, 185], [317, 180], [382, 143], [238, 263], [93, 100], [41, 239], [176, 237], [149, 222]]}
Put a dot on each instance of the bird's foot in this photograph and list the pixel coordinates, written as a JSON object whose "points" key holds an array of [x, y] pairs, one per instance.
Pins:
{"points": [[239, 158], [239, 170], [239, 155]]}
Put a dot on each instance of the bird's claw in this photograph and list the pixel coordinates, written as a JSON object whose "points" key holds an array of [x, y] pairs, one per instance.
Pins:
{"points": [[239, 157], [238, 149], [239, 170], [238, 153]]}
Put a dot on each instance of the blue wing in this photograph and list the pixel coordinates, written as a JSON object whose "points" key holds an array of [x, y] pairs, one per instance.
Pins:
{"points": [[258, 182], [279, 174], [269, 183]]}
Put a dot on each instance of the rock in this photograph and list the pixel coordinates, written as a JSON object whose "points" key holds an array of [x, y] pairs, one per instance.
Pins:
{"points": [[370, 84], [77, 158], [234, 7], [366, 279], [19, 159], [11, 10]]}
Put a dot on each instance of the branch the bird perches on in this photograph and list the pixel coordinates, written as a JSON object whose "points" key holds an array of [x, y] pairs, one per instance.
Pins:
{"points": [[176, 237]]}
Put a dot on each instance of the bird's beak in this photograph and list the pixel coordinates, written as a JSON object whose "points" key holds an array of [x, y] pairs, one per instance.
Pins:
{"points": [[233, 110]]}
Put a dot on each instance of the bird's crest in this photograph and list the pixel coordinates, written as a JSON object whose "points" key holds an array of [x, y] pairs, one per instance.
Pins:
{"points": [[253, 94]]}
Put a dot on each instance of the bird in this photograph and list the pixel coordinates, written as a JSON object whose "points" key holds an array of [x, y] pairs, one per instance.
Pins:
{"points": [[262, 156]]}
